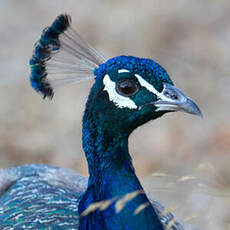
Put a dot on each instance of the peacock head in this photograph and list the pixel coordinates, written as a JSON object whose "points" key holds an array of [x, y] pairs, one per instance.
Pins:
{"points": [[128, 91]]}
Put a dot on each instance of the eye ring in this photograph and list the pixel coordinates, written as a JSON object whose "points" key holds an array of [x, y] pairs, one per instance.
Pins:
{"points": [[127, 87]]}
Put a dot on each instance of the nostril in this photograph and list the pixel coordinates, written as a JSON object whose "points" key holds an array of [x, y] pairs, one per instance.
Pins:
{"points": [[170, 95], [174, 97]]}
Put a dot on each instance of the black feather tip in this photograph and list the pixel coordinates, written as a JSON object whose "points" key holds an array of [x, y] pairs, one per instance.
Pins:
{"points": [[48, 44]]}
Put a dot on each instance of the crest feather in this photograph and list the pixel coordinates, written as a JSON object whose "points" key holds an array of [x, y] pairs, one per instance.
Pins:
{"points": [[60, 57]]}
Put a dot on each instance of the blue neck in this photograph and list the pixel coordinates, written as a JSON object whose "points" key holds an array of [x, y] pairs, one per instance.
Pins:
{"points": [[111, 175]]}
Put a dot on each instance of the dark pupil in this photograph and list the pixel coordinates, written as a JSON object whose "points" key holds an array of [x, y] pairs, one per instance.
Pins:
{"points": [[127, 87]]}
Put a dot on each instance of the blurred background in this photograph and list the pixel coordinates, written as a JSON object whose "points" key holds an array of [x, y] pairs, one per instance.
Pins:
{"points": [[182, 160]]}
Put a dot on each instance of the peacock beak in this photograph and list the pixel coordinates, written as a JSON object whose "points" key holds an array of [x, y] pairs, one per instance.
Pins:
{"points": [[172, 99]]}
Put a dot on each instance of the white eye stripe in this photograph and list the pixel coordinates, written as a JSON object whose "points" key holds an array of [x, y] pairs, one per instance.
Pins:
{"points": [[117, 99], [150, 88], [125, 102], [123, 71], [145, 84]]}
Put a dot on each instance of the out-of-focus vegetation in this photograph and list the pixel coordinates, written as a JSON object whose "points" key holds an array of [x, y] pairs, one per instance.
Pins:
{"points": [[183, 161]]}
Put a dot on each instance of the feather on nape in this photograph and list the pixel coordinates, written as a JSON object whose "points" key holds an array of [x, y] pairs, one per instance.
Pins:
{"points": [[60, 57]]}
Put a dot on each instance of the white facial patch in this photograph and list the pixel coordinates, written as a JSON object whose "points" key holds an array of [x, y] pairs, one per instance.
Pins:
{"points": [[117, 99], [123, 71]]}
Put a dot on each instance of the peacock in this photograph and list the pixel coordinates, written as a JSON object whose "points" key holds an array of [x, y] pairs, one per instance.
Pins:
{"points": [[127, 92]]}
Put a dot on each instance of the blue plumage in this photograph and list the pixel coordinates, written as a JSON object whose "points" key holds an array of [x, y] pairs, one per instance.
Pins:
{"points": [[128, 92], [40, 197], [143, 66]]}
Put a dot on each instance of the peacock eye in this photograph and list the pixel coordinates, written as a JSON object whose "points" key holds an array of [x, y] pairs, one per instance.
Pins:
{"points": [[126, 87]]}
